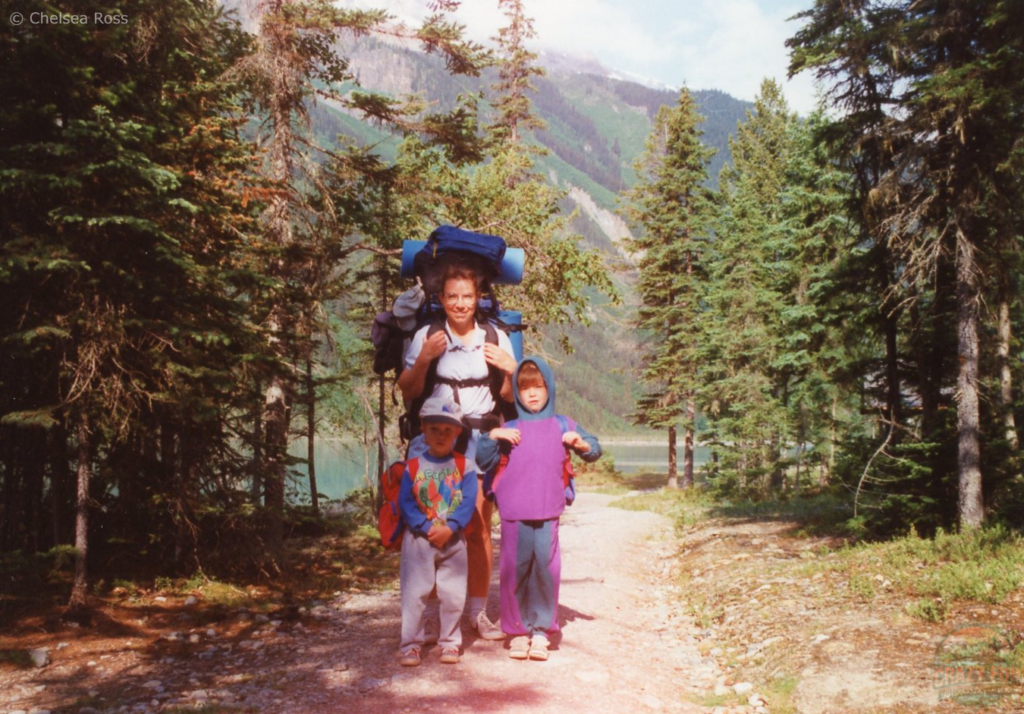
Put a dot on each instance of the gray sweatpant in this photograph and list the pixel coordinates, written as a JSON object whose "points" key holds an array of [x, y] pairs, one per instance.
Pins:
{"points": [[422, 567]]}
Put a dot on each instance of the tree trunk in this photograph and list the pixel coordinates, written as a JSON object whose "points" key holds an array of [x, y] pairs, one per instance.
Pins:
{"points": [[1005, 375], [828, 466], [799, 454], [971, 504], [311, 435], [60, 479], [382, 393], [777, 480], [382, 456], [673, 478], [79, 590], [185, 484], [168, 449], [256, 464], [892, 361], [283, 103], [688, 445], [8, 514], [924, 373], [34, 486], [277, 403]]}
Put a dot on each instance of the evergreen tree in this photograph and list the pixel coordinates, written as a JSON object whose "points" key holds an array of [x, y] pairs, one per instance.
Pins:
{"points": [[672, 207], [514, 71], [952, 71], [745, 366], [124, 236], [298, 58], [823, 340], [507, 197]]}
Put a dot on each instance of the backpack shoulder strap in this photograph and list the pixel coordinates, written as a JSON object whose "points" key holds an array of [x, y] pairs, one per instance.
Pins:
{"points": [[436, 326], [412, 466], [429, 380], [563, 423], [496, 374], [460, 463], [490, 331]]}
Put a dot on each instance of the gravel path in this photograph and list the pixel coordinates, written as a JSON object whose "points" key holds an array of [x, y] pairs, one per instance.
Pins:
{"points": [[623, 649]]}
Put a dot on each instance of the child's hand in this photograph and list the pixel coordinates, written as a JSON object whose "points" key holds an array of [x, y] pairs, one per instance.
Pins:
{"points": [[439, 535], [575, 442], [512, 436]]}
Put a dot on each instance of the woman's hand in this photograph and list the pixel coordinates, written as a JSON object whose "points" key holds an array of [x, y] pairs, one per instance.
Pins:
{"points": [[499, 358], [412, 381], [434, 346]]}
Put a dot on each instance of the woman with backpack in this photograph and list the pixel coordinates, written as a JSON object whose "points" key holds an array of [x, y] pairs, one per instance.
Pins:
{"points": [[471, 364]]}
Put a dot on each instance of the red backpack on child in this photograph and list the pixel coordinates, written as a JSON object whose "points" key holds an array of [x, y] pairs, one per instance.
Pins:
{"points": [[389, 518]]}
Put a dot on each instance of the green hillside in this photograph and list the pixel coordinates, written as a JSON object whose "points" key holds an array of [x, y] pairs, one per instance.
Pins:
{"points": [[596, 125]]}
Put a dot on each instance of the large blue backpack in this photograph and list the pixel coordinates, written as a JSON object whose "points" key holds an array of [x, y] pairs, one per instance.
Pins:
{"points": [[393, 330]]}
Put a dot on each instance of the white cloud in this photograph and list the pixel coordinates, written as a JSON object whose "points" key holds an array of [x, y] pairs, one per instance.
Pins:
{"points": [[731, 45], [596, 28]]}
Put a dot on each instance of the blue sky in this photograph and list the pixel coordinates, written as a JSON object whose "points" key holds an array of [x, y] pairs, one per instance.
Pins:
{"points": [[730, 45]]}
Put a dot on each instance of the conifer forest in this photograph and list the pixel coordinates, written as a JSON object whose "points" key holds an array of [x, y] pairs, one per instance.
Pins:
{"points": [[191, 256]]}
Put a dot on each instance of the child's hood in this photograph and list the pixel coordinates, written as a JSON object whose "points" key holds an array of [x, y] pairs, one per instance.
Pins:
{"points": [[549, 379]]}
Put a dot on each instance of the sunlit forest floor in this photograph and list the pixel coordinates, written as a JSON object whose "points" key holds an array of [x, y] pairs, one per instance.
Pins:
{"points": [[794, 616], [820, 623]]}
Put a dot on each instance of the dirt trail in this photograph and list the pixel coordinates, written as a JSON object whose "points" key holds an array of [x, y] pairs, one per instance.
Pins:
{"points": [[623, 648], [620, 649]]}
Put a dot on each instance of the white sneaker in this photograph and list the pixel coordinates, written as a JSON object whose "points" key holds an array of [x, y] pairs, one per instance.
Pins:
{"points": [[431, 629], [487, 629], [539, 648], [519, 647]]}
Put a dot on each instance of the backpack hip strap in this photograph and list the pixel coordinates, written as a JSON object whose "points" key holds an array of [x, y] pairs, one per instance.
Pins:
{"points": [[483, 423], [464, 383]]}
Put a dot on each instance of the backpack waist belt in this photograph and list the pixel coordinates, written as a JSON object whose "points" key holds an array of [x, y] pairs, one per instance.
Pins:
{"points": [[483, 424], [464, 383]]}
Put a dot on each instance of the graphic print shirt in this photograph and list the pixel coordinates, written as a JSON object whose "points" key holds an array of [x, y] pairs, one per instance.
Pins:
{"points": [[437, 494]]}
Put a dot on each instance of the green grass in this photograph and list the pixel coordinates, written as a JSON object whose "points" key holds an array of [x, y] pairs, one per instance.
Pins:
{"points": [[224, 594], [927, 610], [982, 566], [18, 658], [778, 693], [715, 700], [863, 586], [985, 565], [821, 514], [685, 507]]}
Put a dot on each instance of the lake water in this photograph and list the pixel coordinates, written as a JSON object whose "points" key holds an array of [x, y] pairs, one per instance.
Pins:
{"points": [[634, 456], [342, 466]]}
